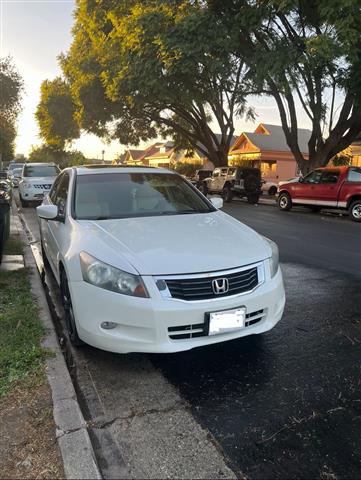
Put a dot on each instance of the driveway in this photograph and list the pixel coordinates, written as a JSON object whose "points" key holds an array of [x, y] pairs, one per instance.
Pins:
{"points": [[284, 405]]}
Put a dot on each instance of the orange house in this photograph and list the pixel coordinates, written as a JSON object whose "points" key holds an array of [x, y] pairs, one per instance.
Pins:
{"points": [[266, 148]]}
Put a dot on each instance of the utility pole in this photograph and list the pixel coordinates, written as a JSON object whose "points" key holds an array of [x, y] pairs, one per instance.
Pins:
{"points": [[103, 151]]}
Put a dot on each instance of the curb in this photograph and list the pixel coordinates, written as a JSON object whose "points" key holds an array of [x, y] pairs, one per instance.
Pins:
{"points": [[71, 429]]}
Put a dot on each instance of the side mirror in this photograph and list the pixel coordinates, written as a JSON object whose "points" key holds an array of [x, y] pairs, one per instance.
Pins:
{"points": [[48, 212], [217, 202]]}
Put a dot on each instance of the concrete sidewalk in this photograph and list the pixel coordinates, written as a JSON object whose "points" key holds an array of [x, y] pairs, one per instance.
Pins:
{"points": [[71, 429]]}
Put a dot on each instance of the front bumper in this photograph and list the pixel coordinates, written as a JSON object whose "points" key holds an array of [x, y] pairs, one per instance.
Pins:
{"points": [[148, 324], [33, 194]]}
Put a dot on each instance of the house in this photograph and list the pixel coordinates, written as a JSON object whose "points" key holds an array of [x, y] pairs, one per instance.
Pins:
{"points": [[266, 148], [355, 148]]}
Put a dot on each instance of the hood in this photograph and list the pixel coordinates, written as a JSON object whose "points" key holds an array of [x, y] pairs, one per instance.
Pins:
{"points": [[178, 244]]}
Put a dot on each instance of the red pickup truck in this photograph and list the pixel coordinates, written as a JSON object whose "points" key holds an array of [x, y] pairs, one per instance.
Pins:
{"points": [[330, 187]]}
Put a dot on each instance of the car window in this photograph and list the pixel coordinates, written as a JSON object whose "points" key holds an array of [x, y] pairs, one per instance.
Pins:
{"points": [[313, 177], [231, 171], [330, 177], [41, 171], [54, 189], [127, 195], [224, 172], [62, 194], [354, 175], [216, 172]]}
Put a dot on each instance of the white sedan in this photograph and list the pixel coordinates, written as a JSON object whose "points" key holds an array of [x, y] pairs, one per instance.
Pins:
{"points": [[146, 263]]}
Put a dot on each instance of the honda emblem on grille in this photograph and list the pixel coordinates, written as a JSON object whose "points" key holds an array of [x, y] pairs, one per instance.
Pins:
{"points": [[220, 285]]}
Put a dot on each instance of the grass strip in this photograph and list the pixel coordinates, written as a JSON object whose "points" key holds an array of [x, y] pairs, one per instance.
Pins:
{"points": [[21, 354]]}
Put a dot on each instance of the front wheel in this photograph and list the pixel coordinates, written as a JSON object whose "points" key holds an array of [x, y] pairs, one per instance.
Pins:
{"points": [[284, 202], [355, 210], [69, 312]]}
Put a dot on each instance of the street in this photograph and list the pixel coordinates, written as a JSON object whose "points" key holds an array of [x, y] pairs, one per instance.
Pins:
{"points": [[286, 404]]}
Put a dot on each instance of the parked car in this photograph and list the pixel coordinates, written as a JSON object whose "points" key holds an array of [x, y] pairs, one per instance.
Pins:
{"points": [[146, 263], [336, 187], [6, 183], [269, 187], [15, 176], [37, 179], [5, 200], [14, 165], [200, 176], [234, 182]]}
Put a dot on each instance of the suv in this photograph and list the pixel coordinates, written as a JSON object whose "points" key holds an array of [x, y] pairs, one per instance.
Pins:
{"points": [[200, 176], [37, 179], [331, 187], [234, 181]]}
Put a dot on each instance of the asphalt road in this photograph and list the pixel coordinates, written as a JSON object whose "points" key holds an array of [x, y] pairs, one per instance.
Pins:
{"points": [[286, 404]]}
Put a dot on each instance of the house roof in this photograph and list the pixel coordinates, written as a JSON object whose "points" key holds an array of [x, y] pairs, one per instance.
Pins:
{"points": [[276, 139], [136, 154]]}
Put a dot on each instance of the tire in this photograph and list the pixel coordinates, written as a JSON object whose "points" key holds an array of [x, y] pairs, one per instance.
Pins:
{"points": [[227, 194], [253, 199], [354, 210], [284, 202], [272, 190], [203, 188], [24, 203], [69, 313]]}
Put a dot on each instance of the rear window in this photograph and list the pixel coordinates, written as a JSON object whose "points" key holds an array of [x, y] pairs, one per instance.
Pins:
{"points": [[41, 171], [354, 175]]}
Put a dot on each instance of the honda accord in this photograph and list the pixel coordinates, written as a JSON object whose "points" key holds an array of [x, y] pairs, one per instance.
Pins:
{"points": [[146, 263]]}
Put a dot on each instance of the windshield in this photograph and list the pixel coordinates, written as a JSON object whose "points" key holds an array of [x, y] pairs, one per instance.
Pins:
{"points": [[126, 195], [13, 166], [41, 171], [17, 172]]}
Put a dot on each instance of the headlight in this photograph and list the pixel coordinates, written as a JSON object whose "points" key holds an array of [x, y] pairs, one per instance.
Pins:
{"points": [[110, 278], [26, 185], [274, 259]]}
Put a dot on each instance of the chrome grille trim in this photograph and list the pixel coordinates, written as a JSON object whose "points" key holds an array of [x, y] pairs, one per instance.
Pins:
{"points": [[166, 294]]}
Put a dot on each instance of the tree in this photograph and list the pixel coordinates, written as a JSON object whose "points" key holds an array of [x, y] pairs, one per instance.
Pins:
{"points": [[140, 69], [10, 105], [55, 114], [49, 154], [305, 52]]}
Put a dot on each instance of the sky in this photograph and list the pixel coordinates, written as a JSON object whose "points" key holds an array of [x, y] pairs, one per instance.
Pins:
{"points": [[34, 33]]}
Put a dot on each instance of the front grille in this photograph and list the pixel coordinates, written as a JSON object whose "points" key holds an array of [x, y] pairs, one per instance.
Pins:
{"points": [[184, 332], [202, 289], [45, 186]]}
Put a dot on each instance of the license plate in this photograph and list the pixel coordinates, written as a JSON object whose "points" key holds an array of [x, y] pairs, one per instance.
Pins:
{"points": [[227, 321]]}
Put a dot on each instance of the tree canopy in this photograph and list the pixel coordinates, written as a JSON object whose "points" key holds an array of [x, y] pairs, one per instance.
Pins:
{"points": [[10, 106], [306, 54], [50, 154], [138, 69], [55, 114]]}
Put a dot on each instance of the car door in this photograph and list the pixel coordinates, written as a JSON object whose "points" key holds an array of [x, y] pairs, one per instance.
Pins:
{"points": [[57, 228], [326, 191], [306, 189], [213, 182]]}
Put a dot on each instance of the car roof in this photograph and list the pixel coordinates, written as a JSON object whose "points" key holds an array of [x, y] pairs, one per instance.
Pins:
{"points": [[39, 163], [99, 169], [341, 168]]}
